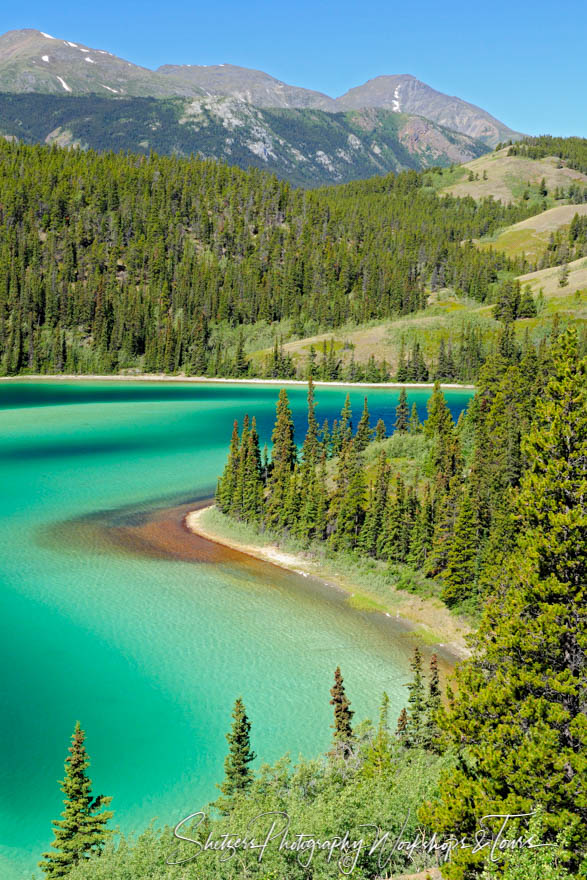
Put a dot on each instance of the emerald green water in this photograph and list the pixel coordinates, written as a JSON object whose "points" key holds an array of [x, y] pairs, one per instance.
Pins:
{"points": [[149, 653]]}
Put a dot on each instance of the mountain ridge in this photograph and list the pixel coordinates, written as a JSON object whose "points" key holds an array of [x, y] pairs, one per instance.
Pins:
{"points": [[33, 61]]}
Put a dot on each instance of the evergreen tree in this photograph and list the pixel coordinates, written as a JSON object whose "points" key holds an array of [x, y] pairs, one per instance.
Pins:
{"points": [[226, 487], [364, 432], [402, 727], [460, 572], [380, 431], [416, 711], [518, 719], [348, 509], [373, 523], [343, 714], [378, 755], [414, 425], [431, 728], [237, 773], [311, 442], [82, 830], [283, 459], [402, 413]]}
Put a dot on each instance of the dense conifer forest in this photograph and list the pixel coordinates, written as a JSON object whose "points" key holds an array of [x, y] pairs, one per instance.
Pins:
{"points": [[111, 262]]}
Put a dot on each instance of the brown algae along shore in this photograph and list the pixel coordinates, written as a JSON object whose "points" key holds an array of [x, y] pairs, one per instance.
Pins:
{"points": [[428, 617]]}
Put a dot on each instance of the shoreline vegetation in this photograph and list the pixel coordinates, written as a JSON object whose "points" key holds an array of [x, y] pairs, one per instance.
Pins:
{"points": [[427, 618], [164, 377]]}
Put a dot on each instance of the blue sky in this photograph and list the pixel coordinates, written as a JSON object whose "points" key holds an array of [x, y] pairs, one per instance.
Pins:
{"points": [[522, 61]]}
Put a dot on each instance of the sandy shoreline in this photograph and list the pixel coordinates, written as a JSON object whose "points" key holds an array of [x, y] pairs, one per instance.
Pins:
{"points": [[428, 616], [163, 377]]}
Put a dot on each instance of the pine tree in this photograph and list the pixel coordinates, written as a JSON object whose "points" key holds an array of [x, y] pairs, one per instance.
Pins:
{"points": [[416, 704], [460, 572], [253, 478], [380, 431], [431, 729], [311, 442], [226, 487], [343, 714], [402, 413], [237, 773], [414, 425], [348, 508], [378, 755], [82, 830], [364, 432], [402, 727], [283, 459], [373, 523], [518, 719]]}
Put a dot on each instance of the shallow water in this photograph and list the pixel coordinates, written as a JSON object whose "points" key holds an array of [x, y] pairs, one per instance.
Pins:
{"points": [[146, 645]]}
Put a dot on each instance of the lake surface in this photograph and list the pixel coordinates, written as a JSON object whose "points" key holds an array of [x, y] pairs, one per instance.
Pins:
{"points": [[149, 650]]}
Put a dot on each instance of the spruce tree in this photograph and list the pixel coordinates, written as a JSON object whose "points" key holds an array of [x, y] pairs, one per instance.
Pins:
{"points": [[402, 413], [227, 482], [373, 523], [237, 773], [380, 431], [431, 731], [460, 572], [414, 425], [402, 727], [283, 459], [364, 432], [343, 714], [416, 704], [378, 754], [349, 503], [82, 830], [519, 716]]}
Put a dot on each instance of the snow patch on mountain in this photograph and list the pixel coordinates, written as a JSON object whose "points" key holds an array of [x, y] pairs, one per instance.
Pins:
{"points": [[395, 105], [64, 84]]}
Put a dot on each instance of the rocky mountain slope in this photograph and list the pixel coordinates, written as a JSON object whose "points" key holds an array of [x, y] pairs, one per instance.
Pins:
{"points": [[33, 61], [307, 147]]}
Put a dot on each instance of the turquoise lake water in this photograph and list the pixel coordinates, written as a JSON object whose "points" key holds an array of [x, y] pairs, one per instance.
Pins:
{"points": [[150, 653]]}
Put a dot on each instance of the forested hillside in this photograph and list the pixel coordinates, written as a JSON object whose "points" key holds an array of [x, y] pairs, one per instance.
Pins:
{"points": [[121, 261], [306, 147]]}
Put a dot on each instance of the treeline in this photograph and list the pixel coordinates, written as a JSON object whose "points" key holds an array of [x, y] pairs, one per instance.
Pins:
{"points": [[573, 150], [340, 487], [119, 261]]}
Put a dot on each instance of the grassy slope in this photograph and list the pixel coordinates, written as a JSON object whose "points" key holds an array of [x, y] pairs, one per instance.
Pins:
{"points": [[530, 237], [547, 280], [507, 177], [444, 318]]}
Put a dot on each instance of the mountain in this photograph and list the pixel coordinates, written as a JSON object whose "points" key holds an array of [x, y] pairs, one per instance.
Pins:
{"points": [[252, 86], [33, 61], [406, 94], [307, 147]]}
